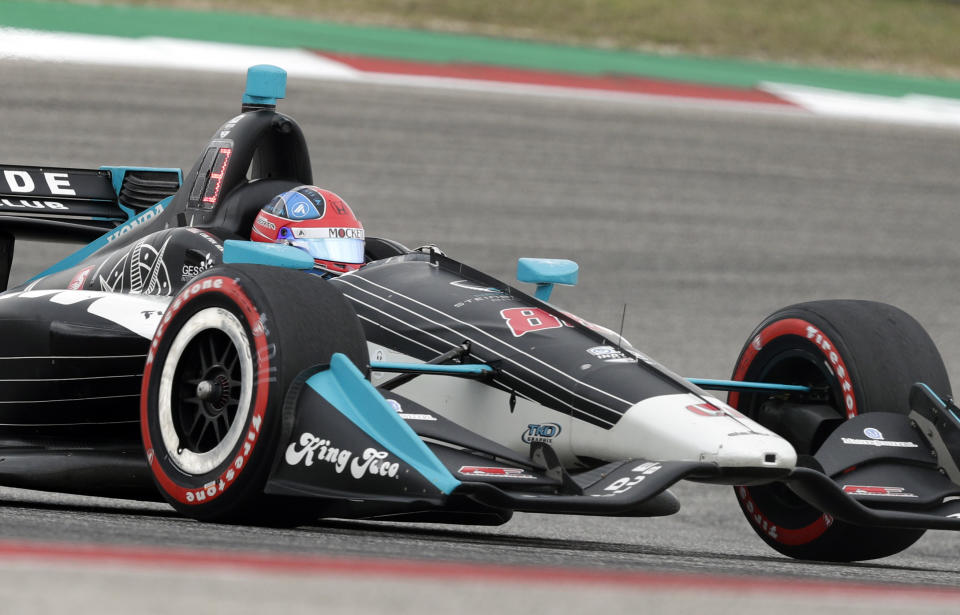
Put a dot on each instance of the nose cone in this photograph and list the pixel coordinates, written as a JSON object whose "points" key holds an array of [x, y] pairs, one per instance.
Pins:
{"points": [[687, 427], [753, 450]]}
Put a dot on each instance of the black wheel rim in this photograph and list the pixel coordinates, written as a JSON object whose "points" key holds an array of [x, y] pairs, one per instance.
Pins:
{"points": [[790, 365], [206, 391]]}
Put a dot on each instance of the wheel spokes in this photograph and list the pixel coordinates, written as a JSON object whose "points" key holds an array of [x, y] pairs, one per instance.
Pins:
{"points": [[204, 418]]}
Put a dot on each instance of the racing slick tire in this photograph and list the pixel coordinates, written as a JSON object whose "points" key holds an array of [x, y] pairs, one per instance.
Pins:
{"points": [[219, 366], [863, 356]]}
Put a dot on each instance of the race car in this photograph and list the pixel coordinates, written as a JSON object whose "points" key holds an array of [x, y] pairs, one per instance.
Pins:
{"points": [[171, 358]]}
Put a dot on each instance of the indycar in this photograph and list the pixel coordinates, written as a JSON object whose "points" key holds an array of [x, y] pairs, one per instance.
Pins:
{"points": [[172, 359]]}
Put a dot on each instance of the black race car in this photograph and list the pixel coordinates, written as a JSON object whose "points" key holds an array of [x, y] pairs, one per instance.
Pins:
{"points": [[171, 358]]}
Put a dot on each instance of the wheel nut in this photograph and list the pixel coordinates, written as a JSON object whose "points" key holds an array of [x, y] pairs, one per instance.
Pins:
{"points": [[205, 390]]}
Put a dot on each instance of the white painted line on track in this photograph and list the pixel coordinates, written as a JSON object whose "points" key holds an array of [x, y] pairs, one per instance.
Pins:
{"points": [[158, 52], [170, 53], [910, 109]]}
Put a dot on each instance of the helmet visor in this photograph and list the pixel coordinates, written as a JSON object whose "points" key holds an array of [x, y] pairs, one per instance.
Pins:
{"points": [[338, 250]]}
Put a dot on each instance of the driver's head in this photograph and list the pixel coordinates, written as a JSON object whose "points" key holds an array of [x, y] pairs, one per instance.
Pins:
{"points": [[315, 220]]}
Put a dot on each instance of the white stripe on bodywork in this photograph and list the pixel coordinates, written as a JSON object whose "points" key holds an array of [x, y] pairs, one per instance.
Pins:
{"points": [[490, 335], [53, 401], [138, 313], [380, 324], [519, 378]]}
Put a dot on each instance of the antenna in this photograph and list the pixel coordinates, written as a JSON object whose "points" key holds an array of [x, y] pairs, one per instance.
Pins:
{"points": [[623, 318]]}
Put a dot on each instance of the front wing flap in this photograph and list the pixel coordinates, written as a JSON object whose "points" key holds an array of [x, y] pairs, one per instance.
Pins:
{"points": [[882, 469], [634, 487]]}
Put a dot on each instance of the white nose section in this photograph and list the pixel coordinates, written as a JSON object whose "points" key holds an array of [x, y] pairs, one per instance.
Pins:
{"points": [[749, 450], [687, 428]]}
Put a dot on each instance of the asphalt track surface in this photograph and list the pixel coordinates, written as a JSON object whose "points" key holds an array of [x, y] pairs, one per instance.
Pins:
{"points": [[701, 221]]}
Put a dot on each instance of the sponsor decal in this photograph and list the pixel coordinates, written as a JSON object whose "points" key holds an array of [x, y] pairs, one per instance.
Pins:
{"points": [[21, 182], [345, 233], [23, 203], [626, 483], [609, 354], [893, 492], [705, 410], [801, 328], [876, 439], [890, 443], [143, 218], [210, 238], [490, 294], [540, 432], [231, 123], [836, 366], [787, 536], [494, 472], [310, 449], [482, 299], [203, 286], [190, 271], [80, 279], [266, 223], [522, 320], [480, 289], [708, 409], [417, 417], [408, 416], [134, 312], [302, 211], [328, 233]]}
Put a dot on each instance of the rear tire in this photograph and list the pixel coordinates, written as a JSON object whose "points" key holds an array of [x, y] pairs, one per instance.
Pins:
{"points": [[219, 367], [864, 356]]}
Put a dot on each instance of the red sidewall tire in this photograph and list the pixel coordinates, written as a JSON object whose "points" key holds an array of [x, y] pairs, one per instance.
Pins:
{"points": [[277, 322], [190, 490], [802, 525], [867, 355]]}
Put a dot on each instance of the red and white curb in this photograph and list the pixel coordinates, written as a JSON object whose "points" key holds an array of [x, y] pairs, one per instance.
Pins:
{"points": [[160, 558], [168, 53]]}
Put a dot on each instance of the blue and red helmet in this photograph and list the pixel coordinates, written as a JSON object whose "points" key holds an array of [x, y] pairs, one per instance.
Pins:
{"points": [[317, 221]]}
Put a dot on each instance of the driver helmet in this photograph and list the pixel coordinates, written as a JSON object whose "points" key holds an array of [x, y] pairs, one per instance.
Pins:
{"points": [[317, 221]]}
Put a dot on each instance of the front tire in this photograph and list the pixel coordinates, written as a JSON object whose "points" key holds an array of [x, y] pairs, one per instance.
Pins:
{"points": [[219, 367], [860, 356]]}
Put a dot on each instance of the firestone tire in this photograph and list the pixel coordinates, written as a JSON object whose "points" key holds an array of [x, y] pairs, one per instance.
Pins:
{"points": [[875, 352], [221, 361]]}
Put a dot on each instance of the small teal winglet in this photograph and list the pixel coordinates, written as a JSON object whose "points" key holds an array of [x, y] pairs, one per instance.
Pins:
{"points": [[427, 368], [265, 84], [345, 388], [738, 385], [274, 254], [545, 272]]}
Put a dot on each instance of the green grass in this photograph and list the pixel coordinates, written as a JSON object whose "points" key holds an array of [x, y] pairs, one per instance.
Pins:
{"points": [[909, 36]]}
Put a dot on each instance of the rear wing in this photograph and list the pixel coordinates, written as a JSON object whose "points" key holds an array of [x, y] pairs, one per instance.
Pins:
{"points": [[77, 204], [74, 205]]}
